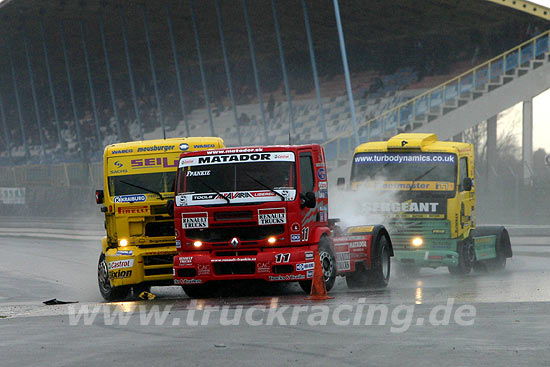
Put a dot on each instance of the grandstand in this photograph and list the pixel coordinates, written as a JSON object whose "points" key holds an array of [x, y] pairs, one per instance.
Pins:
{"points": [[395, 50]]}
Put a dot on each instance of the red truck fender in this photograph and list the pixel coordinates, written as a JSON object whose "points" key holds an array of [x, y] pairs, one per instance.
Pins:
{"points": [[318, 233]]}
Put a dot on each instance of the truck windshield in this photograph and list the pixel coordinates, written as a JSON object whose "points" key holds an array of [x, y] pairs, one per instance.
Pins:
{"points": [[250, 176], [406, 171], [161, 182]]}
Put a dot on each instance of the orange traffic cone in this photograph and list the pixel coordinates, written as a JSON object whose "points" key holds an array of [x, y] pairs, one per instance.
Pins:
{"points": [[318, 289]]}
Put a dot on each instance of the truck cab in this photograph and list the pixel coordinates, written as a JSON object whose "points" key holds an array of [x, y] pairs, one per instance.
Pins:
{"points": [[139, 245], [431, 209], [257, 213]]}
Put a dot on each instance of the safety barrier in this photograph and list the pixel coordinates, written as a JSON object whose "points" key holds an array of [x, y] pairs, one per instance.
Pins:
{"points": [[405, 114], [58, 175]]}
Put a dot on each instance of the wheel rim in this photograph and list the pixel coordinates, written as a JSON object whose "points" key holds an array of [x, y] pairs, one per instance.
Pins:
{"points": [[103, 276], [385, 263], [470, 254], [328, 266]]}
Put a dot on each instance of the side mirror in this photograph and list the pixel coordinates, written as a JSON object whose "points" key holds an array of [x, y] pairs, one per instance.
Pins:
{"points": [[308, 200], [340, 183], [467, 184], [99, 196], [170, 207]]}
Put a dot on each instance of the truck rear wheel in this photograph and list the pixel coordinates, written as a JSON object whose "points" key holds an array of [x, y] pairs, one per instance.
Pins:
{"points": [[109, 292], [328, 262], [466, 259], [378, 275]]}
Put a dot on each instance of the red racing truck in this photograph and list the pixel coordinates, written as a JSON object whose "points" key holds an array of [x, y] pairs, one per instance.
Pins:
{"points": [[261, 213]]}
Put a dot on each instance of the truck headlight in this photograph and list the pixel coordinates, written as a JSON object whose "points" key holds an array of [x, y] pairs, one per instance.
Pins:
{"points": [[123, 242], [197, 244], [417, 241], [271, 240]]}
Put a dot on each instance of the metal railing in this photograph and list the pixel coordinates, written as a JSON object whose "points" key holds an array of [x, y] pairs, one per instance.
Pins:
{"points": [[404, 115]]}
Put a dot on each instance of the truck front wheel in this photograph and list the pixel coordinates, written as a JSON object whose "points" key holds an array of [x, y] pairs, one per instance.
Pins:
{"points": [[328, 263], [466, 259], [109, 292]]}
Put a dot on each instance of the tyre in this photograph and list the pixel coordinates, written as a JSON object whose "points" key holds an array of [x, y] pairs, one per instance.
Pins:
{"points": [[108, 292], [328, 262], [499, 262], [466, 259], [378, 275]]}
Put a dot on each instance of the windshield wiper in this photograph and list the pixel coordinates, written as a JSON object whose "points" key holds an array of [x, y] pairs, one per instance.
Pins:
{"points": [[422, 175], [264, 185], [143, 188], [213, 189]]}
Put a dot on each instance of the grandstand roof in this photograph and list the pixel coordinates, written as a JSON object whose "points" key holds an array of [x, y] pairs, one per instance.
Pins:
{"points": [[364, 21]]}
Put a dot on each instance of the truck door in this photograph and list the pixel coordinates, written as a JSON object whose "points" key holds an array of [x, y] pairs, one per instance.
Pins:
{"points": [[467, 198], [307, 184]]}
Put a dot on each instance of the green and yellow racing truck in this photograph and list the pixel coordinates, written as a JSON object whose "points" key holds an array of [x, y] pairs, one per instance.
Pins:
{"points": [[426, 191]]}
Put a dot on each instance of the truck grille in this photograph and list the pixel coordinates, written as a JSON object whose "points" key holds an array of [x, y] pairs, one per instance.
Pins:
{"points": [[158, 260], [402, 233], [159, 229], [225, 234]]}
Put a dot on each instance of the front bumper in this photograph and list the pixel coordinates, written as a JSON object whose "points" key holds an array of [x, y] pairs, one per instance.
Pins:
{"points": [[427, 258], [281, 264], [133, 265]]}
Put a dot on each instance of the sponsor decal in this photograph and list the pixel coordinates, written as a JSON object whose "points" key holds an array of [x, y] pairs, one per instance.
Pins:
{"points": [[271, 216], [411, 186], [203, 269], [236, 158], [295, 237], [262, 194], [117, 171], [322, 164], [322, 174], [118, 274], [124, 253], [187, 281], [235, 195], [154, 162], [204, 197], [323, 214], [322, 194], [184, 146], [309, 255], [156, 148], [122, 151], [438, 231], [129, 198], [118, 164], [133, 210], [323, 185], [204, 146], [403, 158], [263, 267], [407, 207], [357, 244], [309, 274], [305, 266], [194, 220], [178, 244], [235, 150], [295, 227], [120, 264], [198, 173], [343, 260], [185, 260], [287, 277], [233, 259]]}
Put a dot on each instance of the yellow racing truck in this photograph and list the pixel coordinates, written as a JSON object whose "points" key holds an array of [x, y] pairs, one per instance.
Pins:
{"points": [[138, 180], [425, 190]]}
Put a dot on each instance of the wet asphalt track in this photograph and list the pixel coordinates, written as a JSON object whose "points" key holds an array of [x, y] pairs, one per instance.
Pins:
{"points": [[511, 324]]}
